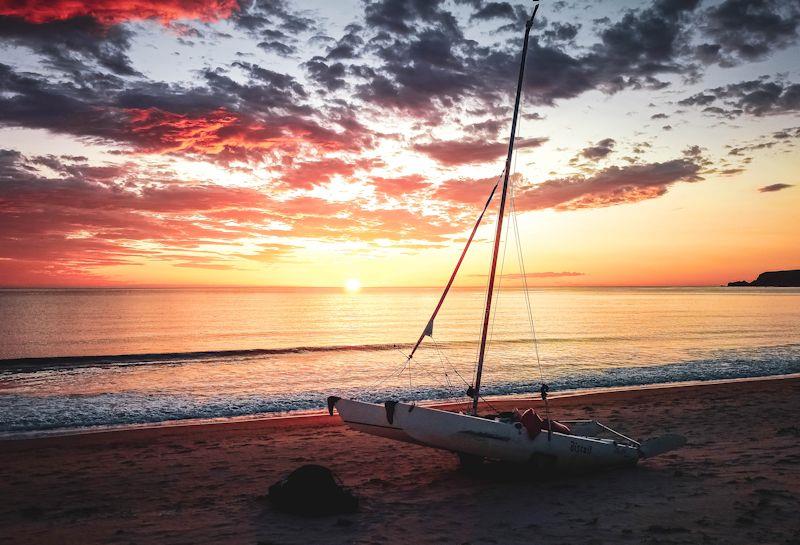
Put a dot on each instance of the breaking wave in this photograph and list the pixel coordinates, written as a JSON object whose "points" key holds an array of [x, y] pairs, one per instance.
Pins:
{"points": [[27, 413]]}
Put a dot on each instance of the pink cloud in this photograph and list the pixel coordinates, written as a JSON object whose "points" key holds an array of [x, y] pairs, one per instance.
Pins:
{"points": [[111, 12]]}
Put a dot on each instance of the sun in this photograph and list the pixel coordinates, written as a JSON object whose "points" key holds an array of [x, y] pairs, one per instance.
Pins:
{"points": [[352, 284]]}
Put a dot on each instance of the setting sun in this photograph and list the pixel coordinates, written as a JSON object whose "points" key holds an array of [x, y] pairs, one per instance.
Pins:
{"points": [[352, 284]]}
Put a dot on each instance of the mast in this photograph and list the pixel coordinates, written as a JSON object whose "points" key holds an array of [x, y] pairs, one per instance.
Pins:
{"points": [[499, 231]]}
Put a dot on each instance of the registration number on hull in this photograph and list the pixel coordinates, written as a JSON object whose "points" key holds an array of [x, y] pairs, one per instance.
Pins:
{"points": [[577, 448]]}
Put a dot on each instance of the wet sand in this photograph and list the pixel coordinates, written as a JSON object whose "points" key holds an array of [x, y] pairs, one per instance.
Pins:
{"points": [[736, 481]]}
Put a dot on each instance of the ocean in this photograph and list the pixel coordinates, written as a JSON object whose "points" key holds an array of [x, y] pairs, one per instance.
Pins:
{"points": [[78, 359]]}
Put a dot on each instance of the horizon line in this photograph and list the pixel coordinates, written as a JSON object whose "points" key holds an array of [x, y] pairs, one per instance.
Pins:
{"points": [[338, 287]]}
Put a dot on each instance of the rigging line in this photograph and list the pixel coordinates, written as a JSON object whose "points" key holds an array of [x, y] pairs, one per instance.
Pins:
{"points": [[429, 324], [441, 362], [455, 369], [530, 315], [437, 382], [528, 303], [384, 379], [514, 215], [495, 409], [393, 373]]}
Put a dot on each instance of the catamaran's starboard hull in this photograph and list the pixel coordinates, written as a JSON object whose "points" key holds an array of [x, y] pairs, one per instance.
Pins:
{"points": [[483, 438]]}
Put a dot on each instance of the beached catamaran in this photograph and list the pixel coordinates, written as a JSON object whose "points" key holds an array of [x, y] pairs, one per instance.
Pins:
{"points": [[510, 437]]}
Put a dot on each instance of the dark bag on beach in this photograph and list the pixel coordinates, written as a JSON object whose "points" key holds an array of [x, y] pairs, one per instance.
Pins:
{"points": [[312, 490]]}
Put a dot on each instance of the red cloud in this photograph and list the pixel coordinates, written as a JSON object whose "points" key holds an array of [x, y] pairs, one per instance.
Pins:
{"points": [[307, 174], [458, 152], [111, 12], [229, 135], [58, 230], [466, 191], [396, 187]]}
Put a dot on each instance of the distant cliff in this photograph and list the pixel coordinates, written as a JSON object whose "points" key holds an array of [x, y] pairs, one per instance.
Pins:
{"points": [[775, 279]]}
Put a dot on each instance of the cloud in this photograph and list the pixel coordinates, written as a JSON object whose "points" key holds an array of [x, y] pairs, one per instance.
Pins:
{"points": [[330, 75], [748, 29], [610, 186], [86, 217], [758, 97], [69, 45], [399, 186], [427, 65], [534, 275], [465, 190], [77, 219], [349, 45], [304, 175], [774, 187], [495, 10], [544, 274], [226, 120], [266, 17], [112, 12], [600, 150], [458, 152]]}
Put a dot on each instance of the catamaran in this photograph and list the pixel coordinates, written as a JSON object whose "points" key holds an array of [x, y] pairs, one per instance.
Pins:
{"points": [[506, 437]]}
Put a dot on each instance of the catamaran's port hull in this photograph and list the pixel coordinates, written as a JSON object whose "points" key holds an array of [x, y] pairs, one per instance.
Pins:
{"points": [[369, 418], [481, 437]]}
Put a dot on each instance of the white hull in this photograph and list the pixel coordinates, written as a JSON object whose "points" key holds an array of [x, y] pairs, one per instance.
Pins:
{"points": [[483, 438], [369, 418]]}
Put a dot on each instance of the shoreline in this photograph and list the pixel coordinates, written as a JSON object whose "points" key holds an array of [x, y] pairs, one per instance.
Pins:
{"points": [[320, 417], [736, 481]]}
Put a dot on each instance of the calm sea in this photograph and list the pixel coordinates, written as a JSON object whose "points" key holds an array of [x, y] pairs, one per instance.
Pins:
{"points": [[72, 359]]}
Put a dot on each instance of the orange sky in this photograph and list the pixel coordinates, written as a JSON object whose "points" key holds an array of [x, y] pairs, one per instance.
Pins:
{"points": [[170, 143]]}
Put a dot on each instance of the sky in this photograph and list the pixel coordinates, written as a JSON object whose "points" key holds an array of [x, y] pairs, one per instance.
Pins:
{"points": [[278, 143]]}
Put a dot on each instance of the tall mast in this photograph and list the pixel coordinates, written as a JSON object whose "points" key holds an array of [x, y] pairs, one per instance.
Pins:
{"points": [[499, 231]]}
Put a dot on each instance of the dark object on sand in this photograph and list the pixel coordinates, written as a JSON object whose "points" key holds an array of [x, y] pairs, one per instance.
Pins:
{"points": [[775, 279], [312, 490]]}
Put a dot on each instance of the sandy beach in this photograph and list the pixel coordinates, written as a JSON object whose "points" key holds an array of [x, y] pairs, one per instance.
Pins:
{"points": [[736, 481]]}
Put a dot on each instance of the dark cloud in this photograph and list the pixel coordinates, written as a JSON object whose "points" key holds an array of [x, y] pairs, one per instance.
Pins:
{"points": [[774, 187], [349, 45], [427, 65], [398, 15], [68, 45], [783, 134], [280, 48], [264, 17], [71, 34], [458, 152], [608, 187], [562, 32], [748, 29], [330, 75], [225, 120], [600, 150], [757, 97], [495, 10]]}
